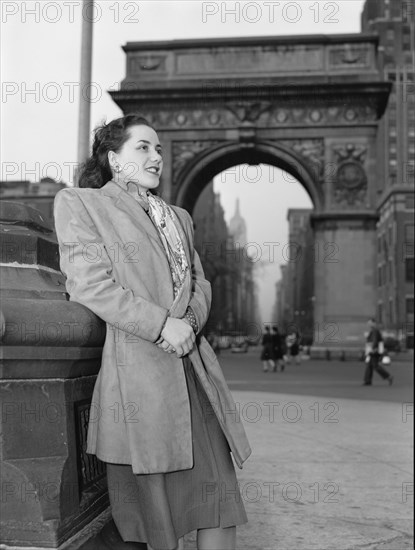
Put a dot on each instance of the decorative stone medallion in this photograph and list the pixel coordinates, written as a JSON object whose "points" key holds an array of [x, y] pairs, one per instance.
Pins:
{"points": [[350, 182]]}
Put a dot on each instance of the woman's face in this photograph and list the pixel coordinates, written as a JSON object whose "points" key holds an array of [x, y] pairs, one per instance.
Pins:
{"points": [[140, 158]]}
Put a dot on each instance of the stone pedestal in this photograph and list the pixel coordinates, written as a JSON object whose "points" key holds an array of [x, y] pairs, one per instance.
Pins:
{"points": [[50, 355]]}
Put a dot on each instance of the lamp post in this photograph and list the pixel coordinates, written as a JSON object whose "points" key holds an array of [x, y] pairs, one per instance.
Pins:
{"points": [[84, 120]]}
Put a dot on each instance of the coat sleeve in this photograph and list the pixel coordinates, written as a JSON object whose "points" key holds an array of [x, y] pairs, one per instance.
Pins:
{"points": [[87, 266], [201, 299]]}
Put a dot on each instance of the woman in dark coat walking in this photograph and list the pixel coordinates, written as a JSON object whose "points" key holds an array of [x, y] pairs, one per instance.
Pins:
{"points": [[267, 353], [278, 349]]}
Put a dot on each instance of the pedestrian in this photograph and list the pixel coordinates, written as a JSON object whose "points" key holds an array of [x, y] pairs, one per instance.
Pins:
{"points": [[172, 443], [293, 346], [267, 353], [373, 351], [278, 349]]}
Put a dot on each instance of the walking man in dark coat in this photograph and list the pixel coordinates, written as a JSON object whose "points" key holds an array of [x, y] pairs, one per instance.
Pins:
{"points": [[374, 351]]}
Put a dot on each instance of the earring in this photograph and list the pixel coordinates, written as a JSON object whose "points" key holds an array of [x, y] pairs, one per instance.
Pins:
{"points": [[117, 168]]}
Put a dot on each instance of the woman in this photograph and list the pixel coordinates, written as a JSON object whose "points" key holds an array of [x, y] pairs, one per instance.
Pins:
{"points": [[267, 353], [293, 346], [278, 351], [159, 408]]}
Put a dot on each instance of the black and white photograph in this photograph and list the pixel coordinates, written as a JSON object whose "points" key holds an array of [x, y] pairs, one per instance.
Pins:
{"points": [[207, 274]]}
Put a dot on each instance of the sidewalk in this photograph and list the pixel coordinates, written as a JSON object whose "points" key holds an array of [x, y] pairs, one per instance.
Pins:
{"points": [[325, 475]]}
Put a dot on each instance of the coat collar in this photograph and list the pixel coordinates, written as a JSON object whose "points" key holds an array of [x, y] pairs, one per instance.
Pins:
{"points": [[124, 201]]}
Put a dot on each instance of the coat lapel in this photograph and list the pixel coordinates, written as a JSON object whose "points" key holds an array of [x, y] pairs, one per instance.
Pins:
{"points": [[129, 205]]}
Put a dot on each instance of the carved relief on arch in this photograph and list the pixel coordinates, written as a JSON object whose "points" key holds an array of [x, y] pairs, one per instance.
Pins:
{"points": [[262, 114], [185, 151], [350, 184], [310, 150]]}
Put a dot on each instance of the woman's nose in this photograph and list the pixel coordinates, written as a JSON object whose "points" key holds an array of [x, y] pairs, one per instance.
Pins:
{"points": [[156, 155]]}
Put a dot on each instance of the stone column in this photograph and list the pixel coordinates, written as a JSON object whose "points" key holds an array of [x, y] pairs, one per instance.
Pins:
{"points": [[345, 286], [51, 353]]}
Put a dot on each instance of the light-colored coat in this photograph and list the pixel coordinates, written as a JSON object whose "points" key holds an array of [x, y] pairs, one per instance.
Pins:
{"points": [[116, 266]]}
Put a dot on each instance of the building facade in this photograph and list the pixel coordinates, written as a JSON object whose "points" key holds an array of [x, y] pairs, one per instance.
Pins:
{"points": [[226, 264], [295, 290], [393, 22]]}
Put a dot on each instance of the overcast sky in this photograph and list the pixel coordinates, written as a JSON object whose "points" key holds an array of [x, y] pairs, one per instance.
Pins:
{"points": [[40, 59]]}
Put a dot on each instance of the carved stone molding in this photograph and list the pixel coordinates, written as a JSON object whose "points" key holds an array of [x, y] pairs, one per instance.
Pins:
{"points": [[248, 111], [263, 114], [347, 55], [350, 182], [144, 63], [311, 150], [184, 151]]}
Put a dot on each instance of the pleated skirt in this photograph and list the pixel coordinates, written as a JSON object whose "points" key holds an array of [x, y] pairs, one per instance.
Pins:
{"points": [[161, 508]]}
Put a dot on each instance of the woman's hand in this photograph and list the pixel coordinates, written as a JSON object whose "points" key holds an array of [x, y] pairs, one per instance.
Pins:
{"points": [[178, 336]]}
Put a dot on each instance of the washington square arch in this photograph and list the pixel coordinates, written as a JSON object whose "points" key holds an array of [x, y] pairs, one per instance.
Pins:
{"points": [[309, 105]]}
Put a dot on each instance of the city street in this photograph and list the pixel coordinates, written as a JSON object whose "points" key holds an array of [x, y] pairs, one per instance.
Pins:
{"points": [[243, 371], [331, 467]]}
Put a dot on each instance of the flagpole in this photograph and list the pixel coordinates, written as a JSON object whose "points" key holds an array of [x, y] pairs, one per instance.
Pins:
{"points": [[84, 120]]}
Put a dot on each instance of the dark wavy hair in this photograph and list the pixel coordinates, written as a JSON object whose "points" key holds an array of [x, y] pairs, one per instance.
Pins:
{"points": [[96, 171]]}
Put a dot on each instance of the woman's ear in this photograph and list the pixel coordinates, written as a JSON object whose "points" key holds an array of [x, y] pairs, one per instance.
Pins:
{"points": [[112, 159]]}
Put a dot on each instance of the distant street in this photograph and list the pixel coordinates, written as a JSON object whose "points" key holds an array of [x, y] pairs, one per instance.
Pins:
{"points": [[337, 379]]}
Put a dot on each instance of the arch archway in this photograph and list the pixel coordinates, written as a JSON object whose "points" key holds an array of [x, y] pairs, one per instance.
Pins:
{"points": [[309, 105], [205, 166]]}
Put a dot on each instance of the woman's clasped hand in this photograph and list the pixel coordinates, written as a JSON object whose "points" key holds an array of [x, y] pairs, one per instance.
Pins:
{"points": [[178, 336]]}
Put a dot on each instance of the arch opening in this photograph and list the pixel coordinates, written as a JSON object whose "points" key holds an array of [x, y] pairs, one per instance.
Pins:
{"points": [[242, 235], [204, 167]]}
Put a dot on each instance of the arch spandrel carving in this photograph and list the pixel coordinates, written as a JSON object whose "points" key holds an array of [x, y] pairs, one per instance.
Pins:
{"points": [[349, 179]]}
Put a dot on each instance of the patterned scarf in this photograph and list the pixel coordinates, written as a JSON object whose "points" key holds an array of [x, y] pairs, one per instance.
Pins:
{"points": [[162, 217]]}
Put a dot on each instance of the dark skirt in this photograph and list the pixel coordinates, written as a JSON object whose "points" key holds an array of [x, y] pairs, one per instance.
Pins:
{"points": [[267, 353], [161, 508]]}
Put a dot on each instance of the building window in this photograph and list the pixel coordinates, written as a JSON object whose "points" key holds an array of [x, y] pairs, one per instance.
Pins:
{"points": [[390, 34], [379, 275], [409, 232], [391, 321], [410, 310], [390, 235], [409, 270], [380, 313], [409, 202], [409, 317], [390, 264]]}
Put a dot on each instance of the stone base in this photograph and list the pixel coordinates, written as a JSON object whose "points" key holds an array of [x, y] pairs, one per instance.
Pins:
{"points": [[100, 534]]}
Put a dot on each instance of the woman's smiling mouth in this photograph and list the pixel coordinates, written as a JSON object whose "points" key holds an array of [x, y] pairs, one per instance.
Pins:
{"points": [[155, 170]]}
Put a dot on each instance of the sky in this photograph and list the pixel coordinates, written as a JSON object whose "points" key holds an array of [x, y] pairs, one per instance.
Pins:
{"points": [[40, 65]]}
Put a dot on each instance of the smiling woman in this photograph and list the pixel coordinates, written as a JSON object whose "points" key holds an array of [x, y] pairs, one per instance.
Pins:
{"points": [[173, 444]]}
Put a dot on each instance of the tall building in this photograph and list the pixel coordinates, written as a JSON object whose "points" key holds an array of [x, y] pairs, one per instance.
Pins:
{"points": [[295, 290], [237, 227], [242, 282], [393, 22], [211, 242]]}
